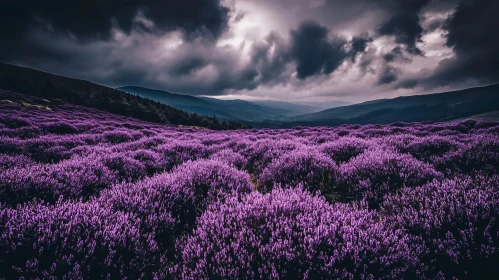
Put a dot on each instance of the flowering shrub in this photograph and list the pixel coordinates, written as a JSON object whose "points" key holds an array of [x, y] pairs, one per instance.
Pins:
{"points": [[127, 168], [117, 136], [231, 158], [73, 241], [481, 155], [177, 152], [151, 201], [75, 178], [85, 194], [457, 219], [18, 161], [261, 153], [198, 183], [151, 160], [430, 148], [59, 128], [291, 234], [307, 167], [380, 171], [344, 149], [14, 121]]}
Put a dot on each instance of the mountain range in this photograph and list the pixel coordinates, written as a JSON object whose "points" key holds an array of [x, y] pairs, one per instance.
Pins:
{"points": [[55, 89], [445, 106], [172, 108], [238, 110]]}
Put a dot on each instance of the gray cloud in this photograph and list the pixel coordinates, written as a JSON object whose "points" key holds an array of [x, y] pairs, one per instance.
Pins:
{"points": [[471, 33], [204, 47], [314, 52]]}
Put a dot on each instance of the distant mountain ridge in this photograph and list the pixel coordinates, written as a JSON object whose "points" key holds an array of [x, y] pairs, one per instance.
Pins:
{"points": [[443, 106], [177, 109], [240, 110], [80, 92]]}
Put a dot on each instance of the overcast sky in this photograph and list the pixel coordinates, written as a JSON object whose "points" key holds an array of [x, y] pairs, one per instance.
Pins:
{"points": [[303, 50]]}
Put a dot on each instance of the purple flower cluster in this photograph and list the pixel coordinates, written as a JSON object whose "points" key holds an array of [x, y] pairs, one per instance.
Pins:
{"points": [[79, 178], [73, 241], [90, 195], [230, 157], [457, 220], [344, 149], [169, 203], [290, 234], [380, 171], [304, 166]]}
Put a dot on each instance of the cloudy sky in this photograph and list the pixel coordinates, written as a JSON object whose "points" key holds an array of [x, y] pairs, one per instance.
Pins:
{"points": [[290, 50]]}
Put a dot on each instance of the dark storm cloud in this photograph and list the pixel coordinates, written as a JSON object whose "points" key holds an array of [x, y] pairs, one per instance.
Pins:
{"points": [[188, 65], [270, 58], [94, 20], [359, 45], [388, 75], [472, 34], [204, 47], [396, 54], [314, 52], [404, 22]]}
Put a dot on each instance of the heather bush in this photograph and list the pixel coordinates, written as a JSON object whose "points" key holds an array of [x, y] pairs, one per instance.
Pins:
{"points": [[380, 171], [178, 152], [26, 132], [45, 151], [307, 167], [73, 241], [10, 145], [14, 121], [290, 234], [10, 161], [199, 183], [127, 168], [457, 220], [77, 178], [261, 153], [344, 149], [481, 155], [151, 202], [152, 161], [59, 128], [169, 203], [430, 148], [118, 136], [231, 158]]}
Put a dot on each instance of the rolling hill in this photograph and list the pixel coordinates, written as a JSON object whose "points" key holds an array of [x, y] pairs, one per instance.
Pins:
{"points": [[80, 92], [431, 107], [177, 109], [240, 110]]}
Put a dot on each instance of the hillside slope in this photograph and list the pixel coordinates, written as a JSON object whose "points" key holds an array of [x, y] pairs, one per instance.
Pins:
{"points": [[223, 109], [79, 92], [432, 107]]}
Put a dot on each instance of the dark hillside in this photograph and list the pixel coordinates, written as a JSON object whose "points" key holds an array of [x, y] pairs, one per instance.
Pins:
{"points": [[79, 92]]}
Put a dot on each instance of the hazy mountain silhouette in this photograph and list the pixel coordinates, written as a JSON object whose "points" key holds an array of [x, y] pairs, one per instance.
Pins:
{"points": [[430, 107], [225, 109], [80, 92]]}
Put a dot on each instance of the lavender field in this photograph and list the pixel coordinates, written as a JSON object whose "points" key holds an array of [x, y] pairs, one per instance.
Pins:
{"points": [[85, 194]]}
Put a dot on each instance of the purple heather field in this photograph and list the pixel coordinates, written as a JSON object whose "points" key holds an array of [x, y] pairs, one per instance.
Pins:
{"points": [[85, 194]]}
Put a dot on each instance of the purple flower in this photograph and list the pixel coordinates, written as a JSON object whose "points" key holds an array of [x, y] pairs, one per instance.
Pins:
{"points": [[292, 234], [456, 218], [380, 171], [304, 166], [73, 241]]}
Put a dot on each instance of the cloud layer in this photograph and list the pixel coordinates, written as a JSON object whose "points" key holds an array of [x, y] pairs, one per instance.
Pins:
{"points": [[288, 50]]}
